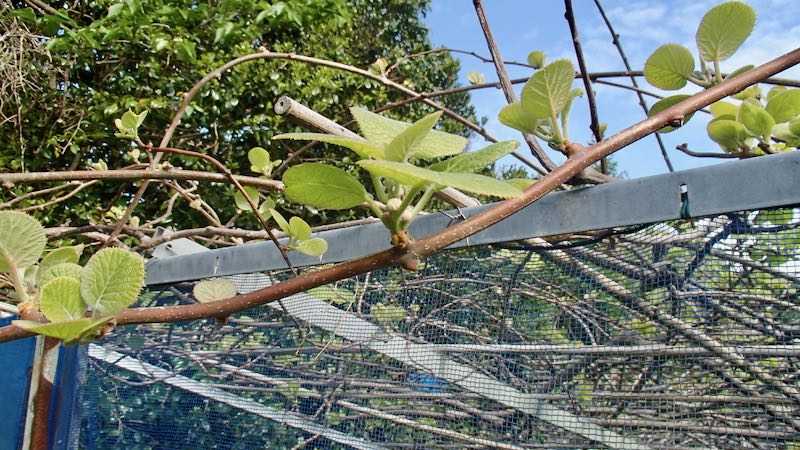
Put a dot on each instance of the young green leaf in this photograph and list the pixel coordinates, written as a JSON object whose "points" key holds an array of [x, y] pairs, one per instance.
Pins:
{"points": [[213, 290], [740, 71], [69, 331], [361, 147], [794, 127], [536, 59], [784, 105], [241, 201], [753, 92], [404, 145], [259, 159], [111, 281], [130, 120], [60, 300], [59, 270], [410, 175], [521, 183], [312, 247], [775, 91], [549, 90], [387, 313], [380, 131], [665, 103], [669, 67], [756, 119], [282, 223], [60, 256], [721, 108], [477, 160], [323, 187], [729, 134], [265, 207], [22, 240], [723, 29], [299, 229], [515, 116], [476, 78]]}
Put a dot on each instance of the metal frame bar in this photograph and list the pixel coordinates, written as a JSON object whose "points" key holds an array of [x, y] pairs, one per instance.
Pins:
{"points": [[764, 182]]}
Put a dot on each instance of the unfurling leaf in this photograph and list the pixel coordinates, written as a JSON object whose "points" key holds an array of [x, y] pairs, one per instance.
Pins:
{"points": [[380, 131], [476, 78], [312, 247], [213, 290], [477, 160], [241, 201], [111, 281], [723, 29], [669, 67], [361, 147], [299, 229], [59, 270], [323, 186], [729, 134], [405, 144], [784, 105], [665, 103], [756, 119], [282, 223], [536, 59], [410, 175], [515, 116], [60, 256], [22, 240], [259, 159], [549, 90], [60, 300], [69, 331]]}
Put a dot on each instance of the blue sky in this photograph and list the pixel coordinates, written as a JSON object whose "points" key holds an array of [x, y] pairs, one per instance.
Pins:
{"points": [[524, 25]]}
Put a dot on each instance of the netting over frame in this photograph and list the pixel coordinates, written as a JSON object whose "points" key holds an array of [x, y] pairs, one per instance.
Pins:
{"points": [[675, 335]]}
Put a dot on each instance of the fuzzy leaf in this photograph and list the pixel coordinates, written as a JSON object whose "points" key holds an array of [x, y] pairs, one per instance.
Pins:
{"points": [[380, 131], [361, 147], [60, 270], [515, 116], [259, 159], [723, 29], [729, 134], [212, 290], [721, 108], [111, 281], [669, 67], [22, 240], [68, 331], [299, 229], [784, 105], [756, 119], [60, 256], [477, 160], [312, 247], [323, 186], [536, 59], [405, 144], [665, 103], [241, 201], [549, 90], [61, 300], [410, 175]]}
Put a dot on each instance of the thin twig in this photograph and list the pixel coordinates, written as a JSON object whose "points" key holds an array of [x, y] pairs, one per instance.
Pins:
{"points": [[685, 149]]}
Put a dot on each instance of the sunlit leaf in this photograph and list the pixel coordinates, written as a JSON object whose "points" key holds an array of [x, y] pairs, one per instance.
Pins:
{"points": [[241, 201], [669, 67], [312, 247], [111, 281], [361, 147], [784, 105], [281, 221], [536, 59], [60, 256], [521, 183], [729, 134], [300, 230], [59, 270], [60, 300], [213, 290], [756, 119], [549, 90], [323, 186], [515, 116], [22, 240], [259, 159], [405, 144], [68, 331], [476, 78], [723, 29], [665, 103], [477, 160]]}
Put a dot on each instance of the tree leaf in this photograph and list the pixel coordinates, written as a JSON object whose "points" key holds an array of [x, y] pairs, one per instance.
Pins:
{"points": [[403, 146], [723, 29], [549, 90], [380, 131], [740, 71], [60, 256], [476, 78], [111, 281], [130, 120], [784, 105], [282, 223], [729, 134], [665, 103], [536, 59], [515, 116], [22, 240], [477, 160], [241, 201], [60, 300], [323, 186], [312, 247], [299, 229], [521, 183], [361, 147], [387, 313], [756, 119], [259, 159], [68, 331], [721, 108], [213, 290], [669, 67], [71, 270], [410, 175]]}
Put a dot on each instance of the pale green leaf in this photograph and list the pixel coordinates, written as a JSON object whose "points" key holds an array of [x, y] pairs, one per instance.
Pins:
{"points": [[111, 281], [515, 116], [60, 256], [323, 186], [380, 131], [130, 120], [22, 240], [60, 300], [476, 78], [521, 183], [740, 71], [794, 127], [753, 92], [281, 221], [259, 159], [477, 160], [361, 147], [549, 90], [241, 201], [299, 229], [71, 270], [312, 247], [115, 9], [723, 29], [265, 207], [213, 290], [756, 119], [665, 103], [669, 67], [387, 313], [333, 294], [405, 145], [536, 59], [784, 105], [721, 108], [775, 90], [68, 331], [729, 134], [410, 175]]}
